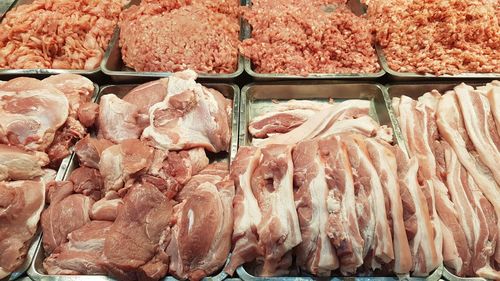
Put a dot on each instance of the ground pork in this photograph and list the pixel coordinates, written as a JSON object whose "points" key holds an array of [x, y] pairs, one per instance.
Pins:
{"points": [[302, 37], [173, 35], [68, 34], [439, 36]]}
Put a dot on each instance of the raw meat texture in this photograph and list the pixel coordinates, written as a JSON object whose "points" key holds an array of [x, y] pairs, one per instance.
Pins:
{"points": [[121, 162], [106, 208], [190, 116], [87, 181], [279, 229], [385, 163], [494, 98], [31, 112], [82, 254], [247, 213], [320, 122], [64, 138], [417, 220], [89, 151], [480, 127], [201, 234], [315, 253], [213, 173], [343, 229], [308, 37], [364, 125], [57, 34], [377, 233], [21, 203], [62, 217], [283, 117], [87, 114], [17, 164], [58, 190], [117, 119], [146, 95], [414, 38], [78, 90], [212, 46], [141, 224]]}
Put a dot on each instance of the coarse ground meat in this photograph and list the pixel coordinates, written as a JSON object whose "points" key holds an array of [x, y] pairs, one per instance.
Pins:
{"points": [[439, 36], [303, 37], [67, 34], [169, 35]]}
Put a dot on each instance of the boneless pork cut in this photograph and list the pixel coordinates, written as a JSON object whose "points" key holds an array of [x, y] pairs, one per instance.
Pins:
{"points": [[145, 180]]}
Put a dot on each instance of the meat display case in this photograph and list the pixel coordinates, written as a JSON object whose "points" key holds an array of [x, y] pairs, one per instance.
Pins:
{"points": [[358, 9], [36, 271], [255, 98]]}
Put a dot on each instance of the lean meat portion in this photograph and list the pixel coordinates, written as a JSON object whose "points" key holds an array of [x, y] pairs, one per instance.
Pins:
{"points": [[31, 112], [141, 224], [342, 203], [21, 203], [87, 181], [279, 229], [376, 233], [89, 151], [190, 116], [17, 164], [247, 213], [213, 173], [117, 119], [106, 208], [121, 162], [201, 233], [315, 253], [82, 254], [77, 89]]}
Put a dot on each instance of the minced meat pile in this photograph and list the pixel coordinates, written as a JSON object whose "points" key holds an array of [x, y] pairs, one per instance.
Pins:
{"points": [[302, 37], [439, 36], [169, 35]]}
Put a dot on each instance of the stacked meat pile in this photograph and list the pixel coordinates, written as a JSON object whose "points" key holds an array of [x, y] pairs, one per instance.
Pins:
{"points": [[438, 37], [455, 138], [140, 184], [302, 37], [39, 121], [57, 34], [339, 197], [166, 35]]}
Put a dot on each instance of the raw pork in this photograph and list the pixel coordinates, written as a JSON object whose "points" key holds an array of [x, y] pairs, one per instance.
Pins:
{"points": [[17, 164], [117, 119]]}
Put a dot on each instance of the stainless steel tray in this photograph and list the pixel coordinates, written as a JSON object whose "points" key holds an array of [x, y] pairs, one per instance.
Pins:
{"points": [[41, 73], [256, 98], [113, 65], [36, 271], [358, 9], [414, 91], [412, 76]]}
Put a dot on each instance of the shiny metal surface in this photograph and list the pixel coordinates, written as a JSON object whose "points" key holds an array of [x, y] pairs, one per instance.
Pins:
{"points": [[411, 76], [36, 270], [358, 9]]}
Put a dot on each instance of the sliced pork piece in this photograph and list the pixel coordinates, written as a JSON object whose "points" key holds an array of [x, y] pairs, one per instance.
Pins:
{"points": [[480, 127], [247, 213], [321, 121], [279, 229], [87, 181], [89, 151], [315, 254], [117, 119], [146, 95], [368, 181], [201, 235], [343, 229], [82, 254], [364, 125], [18, 164], [384, 161], [31, 112], [21, 203], [122, 161], [213, 173], [417, 220], [63, 217], [190, 116], [494, 99], [141, 224]]}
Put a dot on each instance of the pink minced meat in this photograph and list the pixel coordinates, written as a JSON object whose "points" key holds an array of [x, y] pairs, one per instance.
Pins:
{"points": [[175, 35], [303, 37], [440, 36]]}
